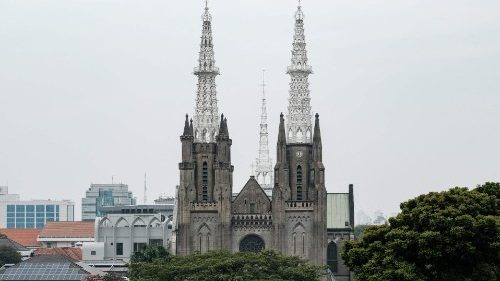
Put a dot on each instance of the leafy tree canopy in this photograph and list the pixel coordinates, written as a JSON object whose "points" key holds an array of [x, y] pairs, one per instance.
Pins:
{"points": [[451, 235], [150, 253], [9, 255], [224, 266]]}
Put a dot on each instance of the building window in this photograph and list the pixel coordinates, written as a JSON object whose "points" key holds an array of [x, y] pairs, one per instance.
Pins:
{"points": [[299, 183], [205, 182], [252, 208], [156, 242], [119, 249], [331, 257], [93, 253], [139, 247]]}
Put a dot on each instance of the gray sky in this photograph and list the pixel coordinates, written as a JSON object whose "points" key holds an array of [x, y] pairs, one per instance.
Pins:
{"points": [[408, 91]]}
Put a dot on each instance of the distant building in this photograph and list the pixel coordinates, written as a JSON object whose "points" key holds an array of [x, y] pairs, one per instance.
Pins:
{"points": [[66, 234], [166, 210], [17, 213], [103, 195], [340, 228]]}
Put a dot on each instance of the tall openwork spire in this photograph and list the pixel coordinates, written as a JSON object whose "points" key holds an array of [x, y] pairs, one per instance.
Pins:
{"points": [[299, 124], [206, 117], [264, 167]]}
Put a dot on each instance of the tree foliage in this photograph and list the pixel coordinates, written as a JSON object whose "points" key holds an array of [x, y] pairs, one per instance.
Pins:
{"points": [[108, 277], [224, 266], [451, 235], [150, 253], [9, 255]]}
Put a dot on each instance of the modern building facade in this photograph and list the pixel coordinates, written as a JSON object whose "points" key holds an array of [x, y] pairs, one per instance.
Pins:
{"points": [[17, 213], [103, 195], [294, 221]]}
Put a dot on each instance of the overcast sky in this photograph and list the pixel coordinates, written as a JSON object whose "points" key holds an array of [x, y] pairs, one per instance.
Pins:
{"points": [[408, 92]]}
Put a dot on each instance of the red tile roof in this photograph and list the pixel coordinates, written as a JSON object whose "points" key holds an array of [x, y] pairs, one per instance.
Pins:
{"points": [[72, 253], [68, 229], [25, 237]]}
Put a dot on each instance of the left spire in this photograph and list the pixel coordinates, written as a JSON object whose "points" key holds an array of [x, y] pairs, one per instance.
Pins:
{"points": [[206, 116]]}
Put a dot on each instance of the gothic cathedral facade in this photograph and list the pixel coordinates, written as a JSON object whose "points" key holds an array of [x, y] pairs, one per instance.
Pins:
{"points": [[291, 221]]}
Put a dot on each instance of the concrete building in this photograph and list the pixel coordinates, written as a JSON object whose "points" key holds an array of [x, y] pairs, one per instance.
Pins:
{"points": [[102, 195], [17, 213], [118, 236]]}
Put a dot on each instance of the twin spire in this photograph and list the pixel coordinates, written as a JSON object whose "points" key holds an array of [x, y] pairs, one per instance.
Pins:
{"points": [[205, 124]]}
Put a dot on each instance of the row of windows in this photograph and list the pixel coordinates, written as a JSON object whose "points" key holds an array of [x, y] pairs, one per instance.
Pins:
{"points": [[32, 208]]}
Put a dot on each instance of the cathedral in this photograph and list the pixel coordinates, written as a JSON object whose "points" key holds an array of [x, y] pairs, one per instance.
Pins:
{"points": [[282, 208]]}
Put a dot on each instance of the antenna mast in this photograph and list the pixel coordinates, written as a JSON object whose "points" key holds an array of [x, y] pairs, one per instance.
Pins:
{"points": [[145, 190]]}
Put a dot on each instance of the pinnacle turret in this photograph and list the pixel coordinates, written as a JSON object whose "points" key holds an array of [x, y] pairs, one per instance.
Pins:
{"points": [[186, 127], [299, 127], [206, 117]]}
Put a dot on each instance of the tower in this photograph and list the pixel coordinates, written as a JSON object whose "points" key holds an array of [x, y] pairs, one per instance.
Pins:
{"points": [[299, 127], [206, 174], [206, 117], [299, 193], [264, 166]]}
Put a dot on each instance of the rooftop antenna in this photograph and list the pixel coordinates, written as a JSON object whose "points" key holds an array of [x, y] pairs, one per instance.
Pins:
{"points": [[112, 179], [145, 190]]}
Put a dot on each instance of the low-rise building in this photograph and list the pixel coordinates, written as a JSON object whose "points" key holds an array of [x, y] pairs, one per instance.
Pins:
{"points": [[340, 228], [66, 234], [23, 251], [119, 235]]}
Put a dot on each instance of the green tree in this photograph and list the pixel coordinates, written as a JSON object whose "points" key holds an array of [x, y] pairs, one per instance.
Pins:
{"points": [[224, 266], [9, 255], [150, 253], [451, 235], [360, 229]]}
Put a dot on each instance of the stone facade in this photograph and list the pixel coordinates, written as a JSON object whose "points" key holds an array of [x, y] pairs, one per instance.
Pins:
{"points": [[294, 221]]}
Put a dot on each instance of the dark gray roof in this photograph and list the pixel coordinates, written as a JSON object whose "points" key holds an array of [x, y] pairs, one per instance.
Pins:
{"points": [[5, 241], [45, 267]]}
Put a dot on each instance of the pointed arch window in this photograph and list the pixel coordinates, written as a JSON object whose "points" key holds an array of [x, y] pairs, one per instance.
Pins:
{"points": [[299, 183], [331, 257], [204, 184]]}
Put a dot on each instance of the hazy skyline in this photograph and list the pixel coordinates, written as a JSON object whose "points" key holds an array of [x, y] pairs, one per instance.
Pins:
{"points": [[408, 92]]}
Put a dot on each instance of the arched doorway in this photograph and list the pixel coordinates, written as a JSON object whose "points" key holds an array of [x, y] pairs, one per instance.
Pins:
{"points": [[252, 243]]}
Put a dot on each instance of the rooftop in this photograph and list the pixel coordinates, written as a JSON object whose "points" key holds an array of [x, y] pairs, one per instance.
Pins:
{"points": [[26, 237], [68, 252], [68, 229]]}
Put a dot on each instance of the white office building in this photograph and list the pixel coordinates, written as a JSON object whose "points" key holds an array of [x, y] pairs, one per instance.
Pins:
{"points": [[17, 213]]}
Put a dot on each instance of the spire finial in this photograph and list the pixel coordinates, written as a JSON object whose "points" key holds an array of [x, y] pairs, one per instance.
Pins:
{"points": [[299, 15], [206, 15]]}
